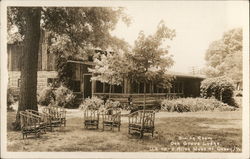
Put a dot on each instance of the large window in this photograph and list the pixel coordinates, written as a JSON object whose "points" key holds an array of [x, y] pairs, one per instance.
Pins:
{"points": [[117, 89], [99, 87]]}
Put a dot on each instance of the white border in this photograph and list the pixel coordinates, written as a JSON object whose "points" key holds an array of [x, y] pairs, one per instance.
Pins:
{"points": [[4, 79]]}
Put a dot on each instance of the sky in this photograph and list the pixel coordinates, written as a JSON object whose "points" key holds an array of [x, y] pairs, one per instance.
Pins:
{"points": [[197, 24]]}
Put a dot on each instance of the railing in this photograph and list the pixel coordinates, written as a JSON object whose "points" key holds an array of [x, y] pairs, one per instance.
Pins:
{"points": [[139, 94], [138, 99]]}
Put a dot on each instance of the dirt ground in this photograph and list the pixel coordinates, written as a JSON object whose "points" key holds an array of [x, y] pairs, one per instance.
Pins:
{"points": [[223, 128]]}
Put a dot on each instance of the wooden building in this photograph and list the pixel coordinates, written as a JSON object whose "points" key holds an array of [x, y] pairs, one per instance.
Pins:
{"points": [[184, 85]]}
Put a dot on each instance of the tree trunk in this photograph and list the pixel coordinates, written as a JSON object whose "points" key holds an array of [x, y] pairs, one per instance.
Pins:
{"points": [[28, 87], [110, 88], [144, 101]]}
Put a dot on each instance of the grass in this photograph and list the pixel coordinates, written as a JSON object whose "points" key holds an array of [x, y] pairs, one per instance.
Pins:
{"points": [[221, 127]]}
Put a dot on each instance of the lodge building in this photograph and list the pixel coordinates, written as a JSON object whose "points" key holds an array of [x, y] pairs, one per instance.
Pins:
{"points": [[183, 85]]}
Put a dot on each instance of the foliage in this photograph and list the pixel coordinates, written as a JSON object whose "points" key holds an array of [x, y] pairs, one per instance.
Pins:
{"points": [[150, 60], [194, 105], [111, 68], [10, 98], [83, 29], [220, 88], [224, 56], [72, 31], [110, 104], [147, 62], [46, 96], [64, 97], [93, 103]]}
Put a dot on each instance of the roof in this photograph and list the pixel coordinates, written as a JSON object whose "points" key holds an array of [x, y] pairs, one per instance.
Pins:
{"points": [[178, 74], [181, 74]]}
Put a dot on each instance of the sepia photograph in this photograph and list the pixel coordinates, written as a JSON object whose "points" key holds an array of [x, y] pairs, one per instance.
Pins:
{"points": [[124, 79]]}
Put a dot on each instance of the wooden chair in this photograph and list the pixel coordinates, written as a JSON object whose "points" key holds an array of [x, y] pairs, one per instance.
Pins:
{"points": [[111, 118], [30, 124], [141, 122], [60, 113], [91, 118], [57, 116], [45, 119]]}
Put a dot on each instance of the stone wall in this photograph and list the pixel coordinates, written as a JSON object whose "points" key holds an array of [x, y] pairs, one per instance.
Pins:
{"points": [[14, 77]]}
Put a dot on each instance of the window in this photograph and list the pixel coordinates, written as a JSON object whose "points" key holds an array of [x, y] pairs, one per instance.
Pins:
{"points": [[117, 89], [99, 87], [177, 87]]}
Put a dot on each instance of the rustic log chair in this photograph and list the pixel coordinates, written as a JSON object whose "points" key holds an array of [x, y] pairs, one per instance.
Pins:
{"points": [[91, 118], [30, 124], [111, 118], [45, 119], [60, 113], [141, 122], [57, 115]]}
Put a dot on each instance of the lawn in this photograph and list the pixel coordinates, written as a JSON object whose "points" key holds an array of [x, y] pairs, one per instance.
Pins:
{"points": [[175, 132]]}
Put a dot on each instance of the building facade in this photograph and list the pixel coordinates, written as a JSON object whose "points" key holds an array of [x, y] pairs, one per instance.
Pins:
{"points": [[81, 84]]}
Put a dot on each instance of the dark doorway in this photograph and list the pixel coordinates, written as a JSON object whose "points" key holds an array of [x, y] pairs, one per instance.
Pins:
{"points": [[87, 86]]}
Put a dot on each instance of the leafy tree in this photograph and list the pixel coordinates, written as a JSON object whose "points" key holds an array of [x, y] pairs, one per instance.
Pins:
{"points": [[72, 32], [112, 68], [224, 56], [151, 60], [147, 62]]}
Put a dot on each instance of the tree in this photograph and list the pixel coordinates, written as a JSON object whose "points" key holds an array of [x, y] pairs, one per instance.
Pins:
{"points": [[31, 33], [151, 61], [112, 68], [147, 62], [224, 56], [72, 32]]}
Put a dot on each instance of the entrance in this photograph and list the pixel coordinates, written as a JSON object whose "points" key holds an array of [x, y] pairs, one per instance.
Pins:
{"points": [[87, 84]]}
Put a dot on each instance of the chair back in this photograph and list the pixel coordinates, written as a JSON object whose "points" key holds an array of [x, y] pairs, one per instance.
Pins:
{"points": [[91, 114]]}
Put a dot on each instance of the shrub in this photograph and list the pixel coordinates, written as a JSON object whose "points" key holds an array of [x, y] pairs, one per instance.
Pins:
{"points": [[194, 105], [46, 96], [220, 88], [10, 98], [93, 103], [112, 104], [64, 97]]}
